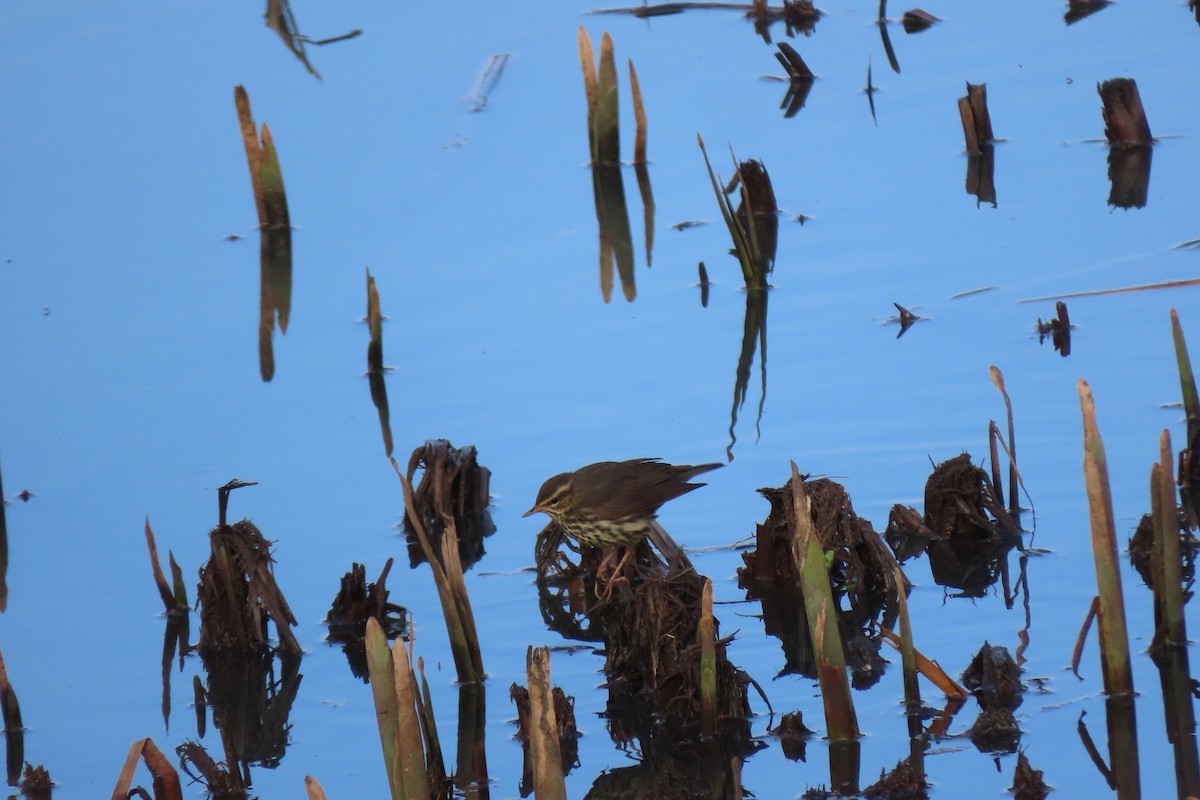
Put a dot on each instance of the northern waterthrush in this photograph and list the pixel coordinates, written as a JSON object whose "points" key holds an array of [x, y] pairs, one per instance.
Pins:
{"points": [[615, 503]]}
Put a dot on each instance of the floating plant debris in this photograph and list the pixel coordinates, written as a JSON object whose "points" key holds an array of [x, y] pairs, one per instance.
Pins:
{"points": [[994, 679], [906, 319], [966, 531], [1078, 9], [36, 783], [904, 781], [355, 603], [972, 292], [453, 484], [916, 20], [1027, 781], [861, 573], [281, 20], [1058, 328], [800, 16], [793, 735], [800, 79]]}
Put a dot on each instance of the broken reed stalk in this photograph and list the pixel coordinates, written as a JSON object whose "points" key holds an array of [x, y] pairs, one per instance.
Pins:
{"points": [[994, 457], [976, 121], [929, 668], [266, 177], [545, 755], [1125, 123], [1187, 381], [312, 789], [394, 692], [433, 745], [1114, 638], [809, 559], [606, 139], [639, 116], [587, 62], [166, 778], [170, 601], [451, 588], [1014, 506], [708, 663], [908, 653], [743, 245], [1168, 582]]}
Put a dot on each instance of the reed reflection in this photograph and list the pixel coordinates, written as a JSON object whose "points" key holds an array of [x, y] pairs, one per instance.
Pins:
{"points": [[608, 185], [275, 232]]}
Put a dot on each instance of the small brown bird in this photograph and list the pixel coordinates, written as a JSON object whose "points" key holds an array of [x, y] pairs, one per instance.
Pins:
{"points": [[615, 503]]}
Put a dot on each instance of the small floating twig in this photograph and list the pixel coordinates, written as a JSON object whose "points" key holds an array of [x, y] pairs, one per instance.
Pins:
{"points": [[1122, 290]]}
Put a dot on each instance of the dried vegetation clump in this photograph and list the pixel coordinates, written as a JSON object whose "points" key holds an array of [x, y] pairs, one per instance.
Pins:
{"points": [[453, 485]]}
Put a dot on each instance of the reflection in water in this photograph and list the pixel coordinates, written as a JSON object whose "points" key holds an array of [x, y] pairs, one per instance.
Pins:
{"points": [[275, 293], [616, 239], [608, 186], [800, 16], [175, 639], [870, 92], [643, 178], [1129, 172], [471, 773], [1122, 772], [754, 335], [375, 368], [251, 706], [1177, 688], [756, 222], [800, 79], [487, 80], [281, 20], [981, 168], [3, 553], [887, 41]]}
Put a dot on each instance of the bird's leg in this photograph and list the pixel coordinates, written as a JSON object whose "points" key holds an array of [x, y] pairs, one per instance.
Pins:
{"points": [[610, 582]]}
